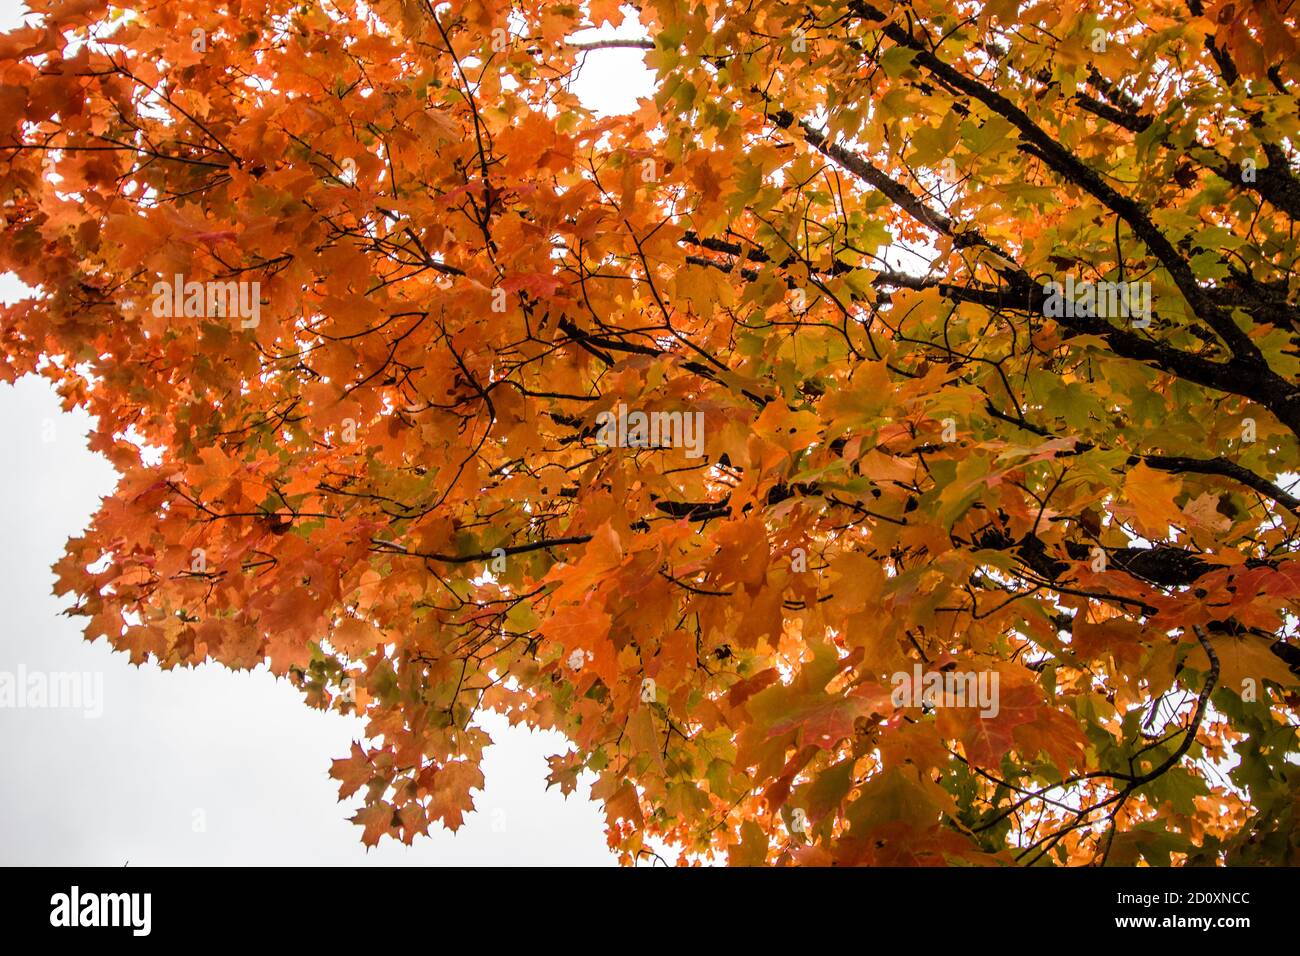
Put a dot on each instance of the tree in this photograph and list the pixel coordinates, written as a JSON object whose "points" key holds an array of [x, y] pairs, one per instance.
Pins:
{"points": [[873, 450]]}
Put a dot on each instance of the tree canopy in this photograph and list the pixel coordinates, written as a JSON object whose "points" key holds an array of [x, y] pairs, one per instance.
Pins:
{"points": [[987, 314]]}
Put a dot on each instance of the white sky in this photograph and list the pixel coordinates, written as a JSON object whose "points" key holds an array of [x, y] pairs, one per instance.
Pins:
{"points": [[240, 754]]}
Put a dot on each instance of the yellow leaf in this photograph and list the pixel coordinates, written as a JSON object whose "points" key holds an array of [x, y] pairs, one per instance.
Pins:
{"points": [[1152, 493]]}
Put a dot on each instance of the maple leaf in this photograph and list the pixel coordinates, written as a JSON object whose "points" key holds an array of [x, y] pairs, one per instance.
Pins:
{"points": [[353, 771], [987, 739], [1245, 661], [376, 819], [451, 792], [1151, 494]]}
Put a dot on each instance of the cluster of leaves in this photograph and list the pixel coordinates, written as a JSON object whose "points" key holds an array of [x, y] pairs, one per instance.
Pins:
{"points": [[829, 232]]}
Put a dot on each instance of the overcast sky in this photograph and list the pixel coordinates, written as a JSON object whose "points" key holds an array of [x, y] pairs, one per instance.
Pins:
{"points": [[206, 766]]}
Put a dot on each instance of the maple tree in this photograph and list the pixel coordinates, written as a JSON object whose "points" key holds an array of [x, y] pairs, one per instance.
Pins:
{"points": [[832, 232]]}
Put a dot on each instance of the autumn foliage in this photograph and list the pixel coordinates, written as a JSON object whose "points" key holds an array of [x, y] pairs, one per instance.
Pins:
{"points": [[832, 233]]}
